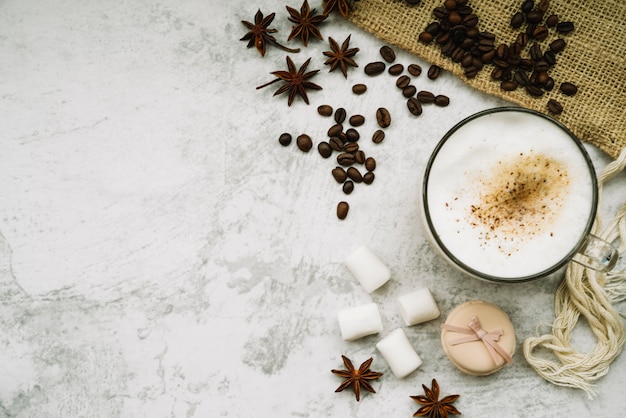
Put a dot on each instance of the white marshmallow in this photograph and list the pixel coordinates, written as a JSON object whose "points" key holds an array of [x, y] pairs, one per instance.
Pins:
{"points": [[417, 307], [369, 270], [359, 321], [399, 353]]}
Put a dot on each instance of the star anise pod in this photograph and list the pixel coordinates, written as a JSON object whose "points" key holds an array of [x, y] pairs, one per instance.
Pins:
{"points": [[259, 34], [341, 5], [433, 407], [356, 378], [340, 57], [306, 23], [296, 81]]}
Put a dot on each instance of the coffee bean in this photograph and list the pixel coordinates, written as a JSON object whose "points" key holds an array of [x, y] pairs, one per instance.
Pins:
{"points": [[351, 147], [488, 56], [508, 85], [530, 28], [348, 187], [304, 143], [534, 16], [378, 136], [383, 117], [550, 57], [528, 5], [557, 45], [454, 17], [403, 81], [450, 4], [496, 74], [517, 20], [542, 65], [359, 89], [520, 77], [425, 96], [543, 6], [284, 139], [370, 164], [374, 68], [549, 84], [345, 159], [339, 174], [324, 149], [552, 21], [396, 69], [368, 178], [342, 210], [388, 54], [415, 70], [467, 60], [440, 12], [425, 37], [335, 143], [356, 120], [409, 91], [555, 107], [442, 100], [340, 115], [414, 106], [540, 33], [521, 39], [335, 130], [542, 78], [471, 72], [355, 174], [564, 27], [533, 90], [359, 157], [352, 135], [470, 20], [325, 110], [535, 52], [434, 71], [569, 89]]}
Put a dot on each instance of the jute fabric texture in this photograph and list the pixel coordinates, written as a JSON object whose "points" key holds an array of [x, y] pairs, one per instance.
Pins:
{"points": [[594, 58]]}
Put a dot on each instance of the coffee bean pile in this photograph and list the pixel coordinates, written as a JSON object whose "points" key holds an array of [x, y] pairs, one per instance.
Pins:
{"points": [[415, 99], [520, 64]]}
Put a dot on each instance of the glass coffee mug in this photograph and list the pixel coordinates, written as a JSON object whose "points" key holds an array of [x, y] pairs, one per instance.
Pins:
{"points": [[510, 195]]}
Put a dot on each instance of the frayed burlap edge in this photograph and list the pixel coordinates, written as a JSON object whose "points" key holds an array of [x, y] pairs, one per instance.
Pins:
{"points": [[594, 59]]}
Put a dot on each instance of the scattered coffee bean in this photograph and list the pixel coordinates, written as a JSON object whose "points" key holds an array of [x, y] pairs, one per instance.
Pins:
{"points": [[441, 100], [425, 96], [335, 143], [388, 54], [351, 147], [403, 81], [340, 115], [528, 5], [557, 45], [508, 85], [534, 17], [370, 164], [284, 139], [356, 120], [342, 210], [345, 159], [564, 27], [396, 69], [355, 175], [304, 143], [555, 107], [378, 136], [415, 70], [383, 117], [335, 130], [359, 88], [339, 174], [517, 20], [552, 21], [324, 149], [348, 187], [569, 89], [414, 106], [434, 71], [540, 33], [425, 37], [325, 110], [409, 91], [374, 68], [352, 135], [534, 90], [368, 178], [543, 6], [359, 157]]}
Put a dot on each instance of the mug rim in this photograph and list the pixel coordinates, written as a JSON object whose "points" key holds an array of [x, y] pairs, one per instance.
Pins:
{"points": [[516, 279]]}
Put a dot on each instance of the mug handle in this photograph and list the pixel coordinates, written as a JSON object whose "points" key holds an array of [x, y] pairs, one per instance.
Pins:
{"points": [[597, 254]]}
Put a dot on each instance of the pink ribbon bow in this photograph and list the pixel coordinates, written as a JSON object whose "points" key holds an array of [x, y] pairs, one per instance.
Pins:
{"points": [[475, 332]]}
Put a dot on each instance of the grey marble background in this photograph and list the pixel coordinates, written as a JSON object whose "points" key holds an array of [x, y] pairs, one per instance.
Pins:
{"points": [[162, 256]]}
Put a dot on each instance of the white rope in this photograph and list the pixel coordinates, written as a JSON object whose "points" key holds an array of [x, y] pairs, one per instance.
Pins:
{"points": [[586, 292]]}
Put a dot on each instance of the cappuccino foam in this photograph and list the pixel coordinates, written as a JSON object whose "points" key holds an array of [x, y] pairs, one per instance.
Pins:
{"points": [[510, 194]]}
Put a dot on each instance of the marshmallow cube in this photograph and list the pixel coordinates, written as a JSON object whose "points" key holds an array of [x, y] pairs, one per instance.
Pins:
{"points": [[369, 270], [399, 353], [360, 321], [417, 307]]}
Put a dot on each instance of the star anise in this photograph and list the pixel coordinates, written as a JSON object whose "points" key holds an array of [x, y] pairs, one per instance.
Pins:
{"points": [[340, 57], [259, 34], [306, 23], [341, 5], [356, 378], [296, 81], [433, 407]]}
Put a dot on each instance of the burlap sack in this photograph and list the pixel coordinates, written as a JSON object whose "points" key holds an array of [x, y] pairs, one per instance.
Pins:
{"points": [[594, 59]]}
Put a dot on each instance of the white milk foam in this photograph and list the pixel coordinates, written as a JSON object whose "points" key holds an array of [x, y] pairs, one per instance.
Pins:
{"points": [[510, 194]]}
